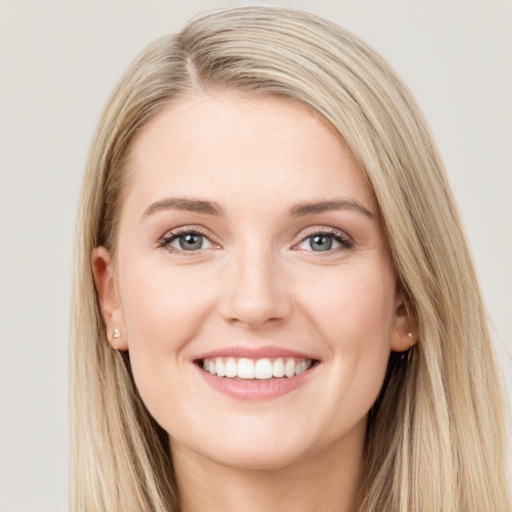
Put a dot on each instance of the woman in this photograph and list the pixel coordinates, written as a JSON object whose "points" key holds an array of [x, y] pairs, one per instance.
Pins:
{"points": [[275, 307]]}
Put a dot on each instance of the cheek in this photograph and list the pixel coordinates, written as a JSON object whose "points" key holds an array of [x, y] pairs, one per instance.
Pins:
{"points": [[354, 305], [163, 311], [162, 304], [354, 315]]}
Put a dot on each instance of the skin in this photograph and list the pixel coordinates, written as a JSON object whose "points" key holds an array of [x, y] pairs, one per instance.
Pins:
{"points": [[256, 281]]}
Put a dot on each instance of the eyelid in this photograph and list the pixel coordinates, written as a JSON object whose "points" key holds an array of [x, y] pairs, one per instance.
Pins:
{"points": [[341, 236], [172, 234]]}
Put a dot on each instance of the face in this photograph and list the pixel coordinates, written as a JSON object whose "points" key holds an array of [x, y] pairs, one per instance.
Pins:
{"points": [[252, 283]]}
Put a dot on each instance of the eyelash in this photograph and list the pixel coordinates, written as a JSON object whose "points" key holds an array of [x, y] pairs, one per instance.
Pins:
{"points": [[171, 236], [339, 236]]}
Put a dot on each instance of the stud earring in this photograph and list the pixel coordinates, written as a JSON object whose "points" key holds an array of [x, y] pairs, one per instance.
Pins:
{"points": [[410, 335], [116, 334]]}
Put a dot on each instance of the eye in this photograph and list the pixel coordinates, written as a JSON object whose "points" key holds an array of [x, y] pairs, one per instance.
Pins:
{"points": [[325, 241], [188, 241]]}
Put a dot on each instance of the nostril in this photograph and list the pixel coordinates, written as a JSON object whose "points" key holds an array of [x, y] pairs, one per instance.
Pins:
{"points": [[257, 297]]}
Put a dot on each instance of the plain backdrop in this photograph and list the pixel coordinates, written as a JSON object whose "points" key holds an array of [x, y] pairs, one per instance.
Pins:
{"points": [[58, 63]]}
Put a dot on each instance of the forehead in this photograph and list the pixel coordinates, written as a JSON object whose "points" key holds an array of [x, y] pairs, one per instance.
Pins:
{"points": [[229, 145]]}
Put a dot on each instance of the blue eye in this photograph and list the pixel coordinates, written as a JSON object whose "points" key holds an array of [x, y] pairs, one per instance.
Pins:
{"points": [[323, 242], [186, 241]]}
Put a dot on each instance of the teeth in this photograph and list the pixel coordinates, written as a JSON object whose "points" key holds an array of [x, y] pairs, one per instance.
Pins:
{"points": [[278, 368], [231, 368], [245, 369], [289, 368], [220, 366], [263, 369], [301, 367], [249, 369]]}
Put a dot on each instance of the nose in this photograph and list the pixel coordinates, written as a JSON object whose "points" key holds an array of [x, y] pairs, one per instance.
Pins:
{"points": [[257, 294]]}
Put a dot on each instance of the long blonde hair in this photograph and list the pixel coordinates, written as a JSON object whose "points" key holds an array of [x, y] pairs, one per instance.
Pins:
{"points": [[436, 436]]}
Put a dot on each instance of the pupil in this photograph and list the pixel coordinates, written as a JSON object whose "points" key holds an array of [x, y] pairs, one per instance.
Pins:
{"points": [[321, 243], [190, 241]]}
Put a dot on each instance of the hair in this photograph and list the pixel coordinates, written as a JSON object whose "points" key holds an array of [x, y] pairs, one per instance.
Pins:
{"points": [[436, 436]]}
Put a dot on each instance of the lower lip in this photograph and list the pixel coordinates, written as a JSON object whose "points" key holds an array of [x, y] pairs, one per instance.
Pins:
{"points": [[253, 389]]}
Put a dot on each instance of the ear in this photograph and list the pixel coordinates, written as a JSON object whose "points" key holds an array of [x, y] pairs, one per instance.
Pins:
{"points": [[111, 310], [405, 328]]}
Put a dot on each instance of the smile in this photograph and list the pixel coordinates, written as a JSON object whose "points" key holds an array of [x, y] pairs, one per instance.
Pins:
{"points": [[255, 374], [255, 369]]}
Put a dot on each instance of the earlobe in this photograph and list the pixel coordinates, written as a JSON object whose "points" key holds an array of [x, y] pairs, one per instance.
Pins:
{"points": [[405, 329], [111, 311]]}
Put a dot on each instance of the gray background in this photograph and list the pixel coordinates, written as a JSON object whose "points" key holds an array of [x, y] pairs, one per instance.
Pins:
{"points": [[58, 63]]}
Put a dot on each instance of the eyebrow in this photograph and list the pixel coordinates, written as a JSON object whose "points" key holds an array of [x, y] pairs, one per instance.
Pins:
{"points": [[189, 205], [301, 210]]}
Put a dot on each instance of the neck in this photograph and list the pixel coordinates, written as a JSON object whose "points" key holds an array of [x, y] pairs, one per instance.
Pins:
{"points": [[327, 481]]}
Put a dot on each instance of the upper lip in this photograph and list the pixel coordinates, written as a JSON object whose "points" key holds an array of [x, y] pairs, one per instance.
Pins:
{"points": [[253, 352]]}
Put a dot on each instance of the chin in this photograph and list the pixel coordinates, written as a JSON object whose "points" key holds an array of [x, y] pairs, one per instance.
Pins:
{"points": [[257, 458], [256, 445]]}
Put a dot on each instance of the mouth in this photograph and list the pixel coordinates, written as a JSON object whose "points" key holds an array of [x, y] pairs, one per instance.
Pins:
{"points": [[262, 369]]}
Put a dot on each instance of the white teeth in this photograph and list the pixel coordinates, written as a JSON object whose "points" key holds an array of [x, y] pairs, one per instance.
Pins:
{"points": [[265, 368], [289, 368], [231, 368], [245, 369], [221, 367], [301, 367], [278, 368]]}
